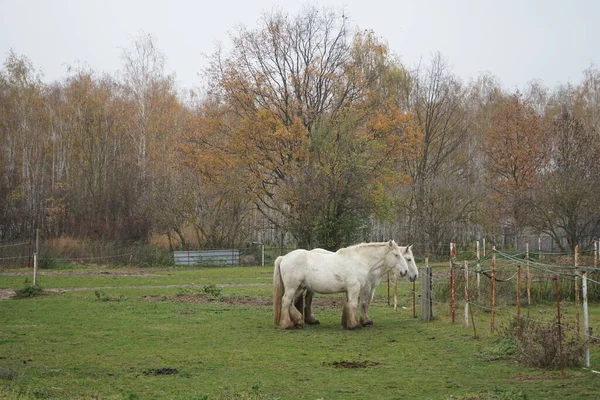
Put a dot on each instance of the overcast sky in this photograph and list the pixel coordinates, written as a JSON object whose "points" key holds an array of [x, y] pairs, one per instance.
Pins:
{"points": [[515, 40]]}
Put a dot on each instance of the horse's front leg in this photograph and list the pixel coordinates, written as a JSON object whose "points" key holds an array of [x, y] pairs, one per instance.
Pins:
{"points": [[349, 320], [365, 300], [308, 316]]}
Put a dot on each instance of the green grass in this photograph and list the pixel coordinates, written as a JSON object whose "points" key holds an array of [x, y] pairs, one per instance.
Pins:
{"points": [[98, 277], [78, 345]]}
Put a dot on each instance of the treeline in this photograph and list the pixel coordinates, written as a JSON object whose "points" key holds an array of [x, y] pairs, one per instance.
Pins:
{"points": [[308, 126]]}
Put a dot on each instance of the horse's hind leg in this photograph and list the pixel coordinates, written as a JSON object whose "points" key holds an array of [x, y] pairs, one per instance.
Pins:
{"points": [[299, 302], [308, 316], [290, 316]]}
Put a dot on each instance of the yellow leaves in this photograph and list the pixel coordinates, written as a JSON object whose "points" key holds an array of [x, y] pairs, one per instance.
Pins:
{"points": [[516, 143], [56, 204], [17, 194]]}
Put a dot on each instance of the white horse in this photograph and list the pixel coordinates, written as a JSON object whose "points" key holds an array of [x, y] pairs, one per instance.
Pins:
{"points": [[352, 270], [305, 305]]}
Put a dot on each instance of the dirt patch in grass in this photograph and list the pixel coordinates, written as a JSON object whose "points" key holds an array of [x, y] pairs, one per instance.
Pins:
{"points": [[200, 298], [6, 294], [543, 376], [352, 364], [160, 371]]}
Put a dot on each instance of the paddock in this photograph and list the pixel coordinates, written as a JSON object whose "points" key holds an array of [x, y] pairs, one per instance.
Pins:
{"points": [[207, 333]]}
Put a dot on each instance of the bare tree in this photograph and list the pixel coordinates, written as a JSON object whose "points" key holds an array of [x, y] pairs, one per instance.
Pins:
{"points": [[437, 100], [565, 205]]}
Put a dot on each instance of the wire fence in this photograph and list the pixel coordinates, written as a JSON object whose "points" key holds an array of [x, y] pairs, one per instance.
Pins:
{"points": [[516, 287], [17, 253]]}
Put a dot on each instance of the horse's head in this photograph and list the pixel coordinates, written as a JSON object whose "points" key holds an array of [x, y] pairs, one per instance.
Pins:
{"points": [[413, 271], [395, 259]]}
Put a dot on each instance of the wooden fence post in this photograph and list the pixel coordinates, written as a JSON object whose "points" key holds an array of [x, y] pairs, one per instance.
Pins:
{"points": [[493, 301], [478, 272], [560, 348], [426, 292], [414, 293], [452, 283], [388, 288], [577, 303], [35, 269], [518, 300], [596, 262], [586, 323], [466, 275], [527, 274], [395, 292]]}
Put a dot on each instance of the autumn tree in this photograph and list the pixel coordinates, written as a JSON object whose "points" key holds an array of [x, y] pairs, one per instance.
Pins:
{"points": [[25, 148], [302, 91], [516, 148], [222, 207]]}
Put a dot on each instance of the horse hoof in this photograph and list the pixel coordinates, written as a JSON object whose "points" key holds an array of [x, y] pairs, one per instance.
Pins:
{"points": [[367, 323], [354, 328], [312, 322], [299, 326]]}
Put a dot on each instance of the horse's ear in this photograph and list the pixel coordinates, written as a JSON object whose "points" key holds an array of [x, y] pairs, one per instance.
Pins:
{"points": [[409, 247], [391, 242]]}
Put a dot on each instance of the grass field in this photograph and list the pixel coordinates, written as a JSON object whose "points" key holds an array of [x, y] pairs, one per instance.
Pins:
{"points": [[151, 334]]}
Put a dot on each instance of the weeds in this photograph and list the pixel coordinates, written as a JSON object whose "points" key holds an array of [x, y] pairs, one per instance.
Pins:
{"points": [[212, 291], [536, 344], [7, 374], [101, 296]]}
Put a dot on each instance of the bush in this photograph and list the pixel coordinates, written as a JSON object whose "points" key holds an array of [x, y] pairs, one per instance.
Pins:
{"points": [[151, 256], [537, 344], [28, 291], [48, 261]]}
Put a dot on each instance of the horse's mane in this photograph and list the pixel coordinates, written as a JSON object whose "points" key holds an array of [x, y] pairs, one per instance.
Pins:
{"points": [[361, 245]]}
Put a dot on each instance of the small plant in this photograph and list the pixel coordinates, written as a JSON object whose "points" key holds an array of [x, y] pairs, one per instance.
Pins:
{"points": [[101, 296], [30, 290], [504, 348], [212, 291]]}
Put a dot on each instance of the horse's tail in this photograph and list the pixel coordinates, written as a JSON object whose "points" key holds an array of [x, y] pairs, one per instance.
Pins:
{"points": [[278, 290]]}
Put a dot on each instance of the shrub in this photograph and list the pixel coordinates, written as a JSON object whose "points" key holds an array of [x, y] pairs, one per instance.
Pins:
{"points": [[151, 255], [48, 261], [537, 344], [28, 291]]}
